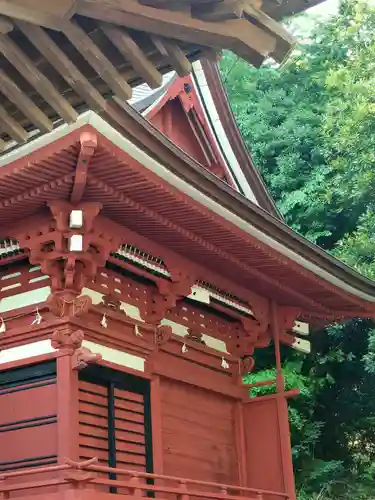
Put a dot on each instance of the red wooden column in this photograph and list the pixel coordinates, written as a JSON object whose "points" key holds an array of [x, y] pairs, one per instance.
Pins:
{"points": [[267, 441], [282, 410], [67, 409], [156, 424]]}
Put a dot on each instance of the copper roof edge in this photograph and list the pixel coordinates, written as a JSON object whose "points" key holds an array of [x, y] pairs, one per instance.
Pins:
{"points": [[241, 151]]}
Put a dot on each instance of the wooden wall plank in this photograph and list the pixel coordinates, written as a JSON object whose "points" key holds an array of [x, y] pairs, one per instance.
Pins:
{"points": [[198, 433]]}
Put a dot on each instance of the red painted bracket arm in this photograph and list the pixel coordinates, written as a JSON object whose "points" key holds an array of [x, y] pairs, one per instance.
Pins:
{"points": [[88, 143]]}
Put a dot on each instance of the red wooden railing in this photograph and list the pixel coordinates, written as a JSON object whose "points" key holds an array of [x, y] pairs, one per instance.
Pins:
{"points": [[136, 484]]}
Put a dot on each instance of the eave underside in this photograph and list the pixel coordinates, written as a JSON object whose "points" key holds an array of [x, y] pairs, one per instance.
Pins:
{"points": [[58, 59], [158, 214]]}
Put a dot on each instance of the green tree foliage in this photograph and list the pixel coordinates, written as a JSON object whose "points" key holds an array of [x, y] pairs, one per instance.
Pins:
{"points": [[310, 125]]}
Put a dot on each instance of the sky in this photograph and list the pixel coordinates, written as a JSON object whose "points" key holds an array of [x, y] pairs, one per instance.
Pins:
{"points": [[325, 9]]}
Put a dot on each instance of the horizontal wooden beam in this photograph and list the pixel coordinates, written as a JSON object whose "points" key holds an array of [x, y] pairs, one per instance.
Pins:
{"points": [[131, 51], [25, 66], [238, 35], [48, 13], [218, 11], [63, 65], [97, 60], [24, 103], [11, 127]]}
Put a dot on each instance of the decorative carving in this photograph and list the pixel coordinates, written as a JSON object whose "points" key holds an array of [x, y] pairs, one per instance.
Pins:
{"points": [[111, 302], [286, 317], [195, 336], [83, 356], [163, 334], [64, 303], [69, 270], [247, 364], [67, 341], [169, 292]]}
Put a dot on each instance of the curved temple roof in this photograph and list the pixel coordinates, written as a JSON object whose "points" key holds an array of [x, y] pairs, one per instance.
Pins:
{"points": [[200, 217]]}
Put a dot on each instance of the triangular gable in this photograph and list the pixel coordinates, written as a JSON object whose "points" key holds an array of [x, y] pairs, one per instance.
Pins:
{"points": [[194, 113], [179, 115]]}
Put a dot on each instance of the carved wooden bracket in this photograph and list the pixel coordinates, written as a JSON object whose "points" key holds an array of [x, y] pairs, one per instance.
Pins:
{"points": [[67, 340], [246, 365], [83, 357], [168, 294], [70, 342], [68, 269]]}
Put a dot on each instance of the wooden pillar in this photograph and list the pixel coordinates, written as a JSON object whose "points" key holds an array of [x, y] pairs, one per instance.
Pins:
{"points": [[156, 424], [282, 410], [285, 445], [280, 385], [240, 443], [67, 409]]}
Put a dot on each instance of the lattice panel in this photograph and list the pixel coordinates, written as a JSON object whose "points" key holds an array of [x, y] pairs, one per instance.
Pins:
{"points": [[124, 288], [21, 279]]}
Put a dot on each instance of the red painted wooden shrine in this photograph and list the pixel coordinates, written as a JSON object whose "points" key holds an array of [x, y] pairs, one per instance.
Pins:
{"points": [[142, 264]]}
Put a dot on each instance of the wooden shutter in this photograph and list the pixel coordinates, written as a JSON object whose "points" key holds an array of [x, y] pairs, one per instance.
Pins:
{"points": [[113, 425], [93, 422], [130, 430]]}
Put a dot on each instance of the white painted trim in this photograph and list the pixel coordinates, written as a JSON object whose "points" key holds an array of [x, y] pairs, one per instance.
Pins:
{"points": [[91, 118], [41, 347], [214, 121], [26, 351], [116, 356]]}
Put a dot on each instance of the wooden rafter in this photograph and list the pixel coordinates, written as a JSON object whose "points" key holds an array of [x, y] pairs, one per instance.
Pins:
{"points": [[218, 11], [123, 42], [138, 59], [34, 77], [11, 127], [47, 13], [24, 103], [172, 52], [63, 65], [99, 62]]}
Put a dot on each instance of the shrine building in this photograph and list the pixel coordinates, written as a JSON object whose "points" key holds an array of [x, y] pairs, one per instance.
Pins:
{"points": [[142, 260]]}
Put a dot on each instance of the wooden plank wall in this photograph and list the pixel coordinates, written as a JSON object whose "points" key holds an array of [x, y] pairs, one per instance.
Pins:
{"points": [[28, 417], [198, 433]]}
